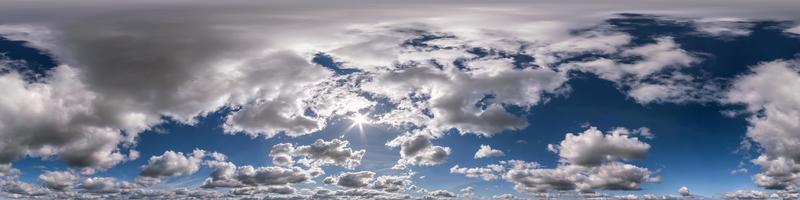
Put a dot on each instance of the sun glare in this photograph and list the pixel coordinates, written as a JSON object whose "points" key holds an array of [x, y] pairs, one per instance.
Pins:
{"points": [[359, 120]]}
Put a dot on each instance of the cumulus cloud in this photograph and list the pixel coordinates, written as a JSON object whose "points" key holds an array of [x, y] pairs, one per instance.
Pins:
{"points": [[104, 185], [767, 93], [747, 194], [592, 147], [58, 180], [320, 153], [393, 183], [7, 170], [504, 197], [486, 151], [351, 179], [486, 173], [417, 149], [684, 191], [172, 164], [590, 161], [248, 191], [228, 175]]}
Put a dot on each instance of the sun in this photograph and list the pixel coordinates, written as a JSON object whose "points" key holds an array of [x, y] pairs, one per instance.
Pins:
{"points": [[359, 120]]}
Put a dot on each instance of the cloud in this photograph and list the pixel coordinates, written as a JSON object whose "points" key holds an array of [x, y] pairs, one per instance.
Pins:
{"points": [[592, 147], [21, 189], [486, 173], [441, 194], [8, 171], [684, 191], [794, 30], [504, 197], [228, 175], [172, 164], [723, 27], [104, 185], [352, 179], [745, 194], [417, 149], [58, 180], [590, 161], [50, 118], [767, 94], [650, 72], [249, 191], [320, 153], [486, 151], [393, 183]]}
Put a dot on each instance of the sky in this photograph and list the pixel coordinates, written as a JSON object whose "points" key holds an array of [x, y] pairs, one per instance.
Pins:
{"points": [[400, 100]]}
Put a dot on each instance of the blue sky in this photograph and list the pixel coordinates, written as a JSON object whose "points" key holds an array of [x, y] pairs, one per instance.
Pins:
{"points": [[112, 98]]}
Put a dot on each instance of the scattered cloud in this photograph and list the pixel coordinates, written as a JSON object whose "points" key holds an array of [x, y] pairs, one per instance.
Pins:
{"points": [[486, 151]]}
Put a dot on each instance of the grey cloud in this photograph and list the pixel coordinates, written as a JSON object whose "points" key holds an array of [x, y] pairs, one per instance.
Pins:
{"points": [[352, 179], [319, 153], [58, 180], [393, 183], [263, 190], [7, 170], [441, 194], [228, 175], [417, 149]]}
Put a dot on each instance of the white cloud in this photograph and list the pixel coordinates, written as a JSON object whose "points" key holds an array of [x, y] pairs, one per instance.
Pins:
{"points": [[684, 191], [490, 172], [747, 194], [794, 30], [723, 27], [592, 147], [486, 151], [590, 161], [172, 164], [768, 94], [441, 194]]}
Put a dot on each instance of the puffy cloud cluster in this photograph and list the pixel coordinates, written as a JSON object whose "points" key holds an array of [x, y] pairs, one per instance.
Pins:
{"points": [[227, 174], [768, 93], [367, 180], [486, 151], [487, 173], [172, 164], [58, 180], [320, 153], [351, 179], [417, 149], [592, 147], [140, 71], [590, 161]]}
